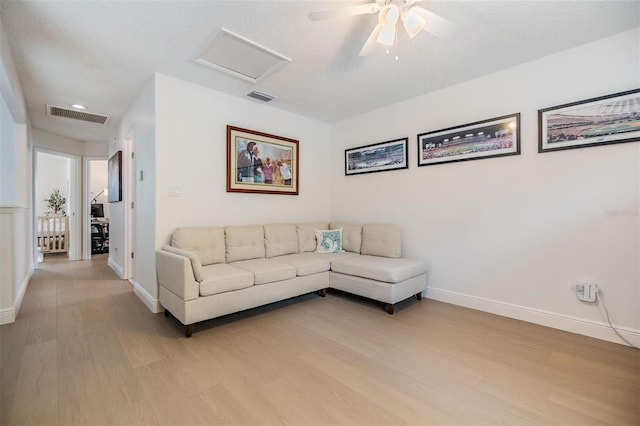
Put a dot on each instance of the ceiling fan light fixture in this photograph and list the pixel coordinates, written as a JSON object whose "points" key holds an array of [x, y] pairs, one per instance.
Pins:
{"points": [[387, 36], [413, 23], [389, 15]]}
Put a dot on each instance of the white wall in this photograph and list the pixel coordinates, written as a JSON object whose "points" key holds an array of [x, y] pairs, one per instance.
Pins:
{"points": [[16, 260], [512, 235], [53, 173], [187, 149], [138, 122], [14, 159], [95, 149], [180, 138], [54, 142], [7, 156], [192, 153]]}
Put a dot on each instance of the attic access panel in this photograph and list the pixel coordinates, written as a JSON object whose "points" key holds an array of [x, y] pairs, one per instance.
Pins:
{"points": [[240, 57]]}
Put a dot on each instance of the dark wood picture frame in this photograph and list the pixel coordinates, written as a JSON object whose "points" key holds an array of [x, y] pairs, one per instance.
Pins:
{"points": [[495, 137], [597, 121], [115, 178], [377, 157], [272, 169]]}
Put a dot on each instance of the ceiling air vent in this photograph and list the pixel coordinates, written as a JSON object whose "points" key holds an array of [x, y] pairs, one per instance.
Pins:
{"points": [[57, 111], [261, 96]]}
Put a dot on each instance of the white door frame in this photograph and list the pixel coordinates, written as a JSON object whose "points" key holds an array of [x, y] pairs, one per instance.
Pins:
{"points": [[75, 191], [130, 209]]}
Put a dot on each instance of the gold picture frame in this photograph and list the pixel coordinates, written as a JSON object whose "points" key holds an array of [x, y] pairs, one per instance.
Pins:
{"points": [[262, 163]]}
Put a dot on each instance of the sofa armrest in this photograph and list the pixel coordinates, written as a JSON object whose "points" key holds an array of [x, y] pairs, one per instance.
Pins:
{"points": [[176, 275]]}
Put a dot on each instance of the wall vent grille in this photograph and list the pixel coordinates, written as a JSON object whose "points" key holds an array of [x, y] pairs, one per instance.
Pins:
{"points": [[261, 96], [56, 111]]}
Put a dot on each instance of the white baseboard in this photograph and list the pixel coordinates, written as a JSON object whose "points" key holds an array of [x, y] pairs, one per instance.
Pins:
{"points": [[8, 315], [597, 330], [152, 303], [118, 270], [21, 291]]}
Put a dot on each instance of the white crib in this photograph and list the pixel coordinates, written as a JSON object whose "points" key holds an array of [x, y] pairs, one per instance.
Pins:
{"points": [[53, 234]]}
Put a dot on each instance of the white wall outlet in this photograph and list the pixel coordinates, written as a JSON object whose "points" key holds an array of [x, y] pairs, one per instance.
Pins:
{"points": [[175, 191], [587, 292]]}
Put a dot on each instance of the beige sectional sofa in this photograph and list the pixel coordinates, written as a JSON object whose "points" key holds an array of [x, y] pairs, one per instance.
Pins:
{"points": [[207, 272]]}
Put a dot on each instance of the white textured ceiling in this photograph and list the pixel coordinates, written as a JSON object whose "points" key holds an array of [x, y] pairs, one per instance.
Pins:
{"points": [[101, 53]]}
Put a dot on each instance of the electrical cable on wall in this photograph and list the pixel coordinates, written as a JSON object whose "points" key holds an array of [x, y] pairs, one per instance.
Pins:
{"points": [[606, 314]]}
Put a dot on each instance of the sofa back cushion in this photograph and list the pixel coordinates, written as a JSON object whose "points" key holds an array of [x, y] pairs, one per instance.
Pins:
{"points": [[381, 240], [244, 242], [280, 239], [207, 242], [307, 235], [351, 235]]}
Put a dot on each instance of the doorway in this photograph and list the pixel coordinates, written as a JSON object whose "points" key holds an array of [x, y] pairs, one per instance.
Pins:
{"points": [[56, 205], [96, 207]]}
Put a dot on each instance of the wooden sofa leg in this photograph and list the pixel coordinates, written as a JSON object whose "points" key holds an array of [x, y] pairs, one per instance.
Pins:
{"points": [[390, 307], [323, 292], [189, 330], [419, 296]]}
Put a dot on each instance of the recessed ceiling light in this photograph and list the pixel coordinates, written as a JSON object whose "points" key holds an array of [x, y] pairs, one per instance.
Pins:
{"points": [[78, 106]]}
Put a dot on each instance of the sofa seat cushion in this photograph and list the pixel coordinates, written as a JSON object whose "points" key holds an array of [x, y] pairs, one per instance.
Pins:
{"points": [[267, 270], [390, 270], [334, 256], [307, 263], [221, 277]]}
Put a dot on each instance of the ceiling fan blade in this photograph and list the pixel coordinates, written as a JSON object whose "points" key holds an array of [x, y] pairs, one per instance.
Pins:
{"points": [[371, 43], [436, 24], [345, 11]]}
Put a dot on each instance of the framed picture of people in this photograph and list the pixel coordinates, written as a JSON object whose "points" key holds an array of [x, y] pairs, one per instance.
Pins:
{"points": [[259, 162]]}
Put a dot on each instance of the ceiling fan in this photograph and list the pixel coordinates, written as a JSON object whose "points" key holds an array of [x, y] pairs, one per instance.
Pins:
{"points": [[390, 12]]}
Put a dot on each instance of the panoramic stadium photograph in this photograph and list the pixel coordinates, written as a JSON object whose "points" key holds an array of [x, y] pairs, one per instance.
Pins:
{"points": [[489, 138], [609, 119]]}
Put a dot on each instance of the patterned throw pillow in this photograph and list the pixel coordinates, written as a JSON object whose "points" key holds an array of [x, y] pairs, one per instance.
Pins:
{"points": [[329, 241]]}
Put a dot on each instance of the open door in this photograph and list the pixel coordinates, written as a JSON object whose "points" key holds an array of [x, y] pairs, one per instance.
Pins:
{"points": [[57, 189]]}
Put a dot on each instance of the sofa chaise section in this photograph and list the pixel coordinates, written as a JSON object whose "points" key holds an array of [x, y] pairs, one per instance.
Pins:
{"points": [[378, 272]]}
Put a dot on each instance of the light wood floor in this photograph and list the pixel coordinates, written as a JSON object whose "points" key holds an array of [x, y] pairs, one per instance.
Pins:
{"points": [[85, 350]]}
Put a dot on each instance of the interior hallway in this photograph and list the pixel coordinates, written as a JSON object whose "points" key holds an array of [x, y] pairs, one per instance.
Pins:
{"points": [[85, 350]]}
